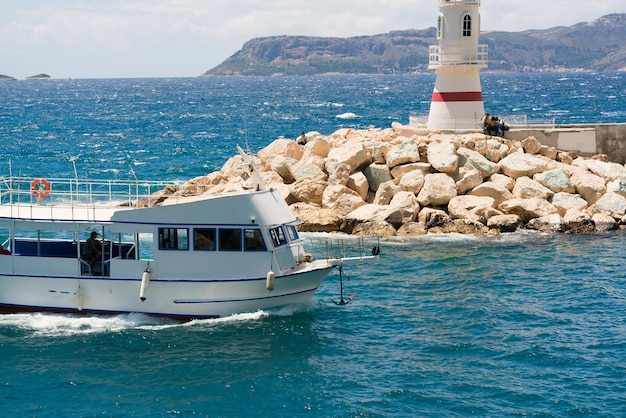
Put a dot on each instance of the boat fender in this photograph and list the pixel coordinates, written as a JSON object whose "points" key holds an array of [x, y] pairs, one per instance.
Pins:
{"points": [[80, 299], [270, 280], [145, 284]]}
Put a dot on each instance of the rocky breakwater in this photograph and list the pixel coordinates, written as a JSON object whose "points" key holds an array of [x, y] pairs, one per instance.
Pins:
{"points": [[408, 181]]}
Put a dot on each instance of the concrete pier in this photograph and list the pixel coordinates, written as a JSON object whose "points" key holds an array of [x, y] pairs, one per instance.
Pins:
{"points": [[585, 140]]}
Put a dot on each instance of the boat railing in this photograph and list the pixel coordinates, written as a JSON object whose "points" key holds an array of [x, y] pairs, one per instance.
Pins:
{"points": [[344, 249], [77, 192]]}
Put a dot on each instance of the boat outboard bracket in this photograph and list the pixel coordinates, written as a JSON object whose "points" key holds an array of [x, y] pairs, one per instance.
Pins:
{"points": [[342, 301]]}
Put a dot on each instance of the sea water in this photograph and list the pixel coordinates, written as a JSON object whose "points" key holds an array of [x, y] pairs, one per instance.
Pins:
{"points": [[525, 324]]}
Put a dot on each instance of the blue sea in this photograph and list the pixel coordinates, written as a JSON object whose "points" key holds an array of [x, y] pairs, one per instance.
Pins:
{"points": [[524, 324]]}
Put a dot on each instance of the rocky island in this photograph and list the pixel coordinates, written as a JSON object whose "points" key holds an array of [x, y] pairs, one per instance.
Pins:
{"points": [[405, 180], [39, 77], [6, 78]]}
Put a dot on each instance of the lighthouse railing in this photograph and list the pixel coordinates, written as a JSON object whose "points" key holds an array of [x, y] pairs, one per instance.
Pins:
{"points": [[475, 56]]}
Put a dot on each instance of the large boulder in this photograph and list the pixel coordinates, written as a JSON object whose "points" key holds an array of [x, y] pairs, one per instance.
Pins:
{"points": [[461, 226], [318, 147], [475, 208], [280, 147], [379, 152], [408, 205], [281, 165], [606, 170], [309, 191], [588, 185], [316, 219], [412, 181], [467, 179], [549, 152], [442, 156], [341, 175], [471, 159], [406, 152], [611, 204], [353, 154], [604, 222], [576, 221], [341, 199], [438, 189], [566, 157], [386, 192], [495, 150], [376, 175], [531, 145], [493, 190], [407, 130], [304, 171], [194, 187], [504, 223], [555, 180], [358, 182], [565, 202], [525, 187], [412, 229], [548, 223], [503, 180], [519, 165], [375, 213], [401, 170], [431, 218], [617, 186], [381, 228], [528, 209]]}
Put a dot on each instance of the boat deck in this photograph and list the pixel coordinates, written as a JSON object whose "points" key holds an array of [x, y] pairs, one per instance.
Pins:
{"points": [[77, 192]]}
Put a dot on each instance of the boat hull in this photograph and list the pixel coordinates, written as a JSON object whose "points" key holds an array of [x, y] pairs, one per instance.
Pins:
{"points": [[182, 299]]}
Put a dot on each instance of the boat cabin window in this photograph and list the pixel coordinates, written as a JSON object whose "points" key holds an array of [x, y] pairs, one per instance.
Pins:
{"points": [[278, 236], [254, 240], [293, 233], [173, 239], [230, 239], [204, 239]]}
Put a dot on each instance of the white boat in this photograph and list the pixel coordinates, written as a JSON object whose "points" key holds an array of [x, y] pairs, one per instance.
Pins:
{"points": [[188, 257]]}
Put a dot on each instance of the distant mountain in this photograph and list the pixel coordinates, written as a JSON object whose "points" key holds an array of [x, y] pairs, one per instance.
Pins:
{"points": [[595, 46], [6, 78]]}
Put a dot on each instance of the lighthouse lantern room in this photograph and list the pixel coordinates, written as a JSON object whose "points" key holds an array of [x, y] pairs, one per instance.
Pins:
{"points": [[457, 101]]}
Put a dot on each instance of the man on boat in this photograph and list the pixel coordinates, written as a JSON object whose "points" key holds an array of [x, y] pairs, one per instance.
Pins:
{"points": [[92, 251]]}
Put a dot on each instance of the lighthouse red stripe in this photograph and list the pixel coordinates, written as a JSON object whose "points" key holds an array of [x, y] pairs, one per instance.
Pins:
{"points": [[461, 96]]}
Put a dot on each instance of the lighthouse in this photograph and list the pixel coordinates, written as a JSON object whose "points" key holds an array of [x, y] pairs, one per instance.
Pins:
{"points": [[457, 101]]}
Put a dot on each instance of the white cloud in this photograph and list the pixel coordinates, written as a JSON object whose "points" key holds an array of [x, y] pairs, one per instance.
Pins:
{"points": [[134, 38]]}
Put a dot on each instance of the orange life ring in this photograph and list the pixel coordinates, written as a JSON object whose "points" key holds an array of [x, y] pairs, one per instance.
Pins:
{"points": [[40, 188]]}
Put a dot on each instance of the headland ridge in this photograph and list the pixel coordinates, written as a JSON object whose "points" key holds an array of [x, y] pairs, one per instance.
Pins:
{"points": [[590, 46]]}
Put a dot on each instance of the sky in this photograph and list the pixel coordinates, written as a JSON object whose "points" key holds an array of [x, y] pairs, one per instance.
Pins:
{"points": [[185, 38]]}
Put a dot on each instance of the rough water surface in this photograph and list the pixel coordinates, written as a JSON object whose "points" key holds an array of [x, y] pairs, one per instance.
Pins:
{"points": [[525, 324]]}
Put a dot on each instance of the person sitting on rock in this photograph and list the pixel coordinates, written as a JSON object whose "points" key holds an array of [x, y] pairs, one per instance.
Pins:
{"points": [[501, 127], [491, 125], [484, 120], [302, 139]]}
